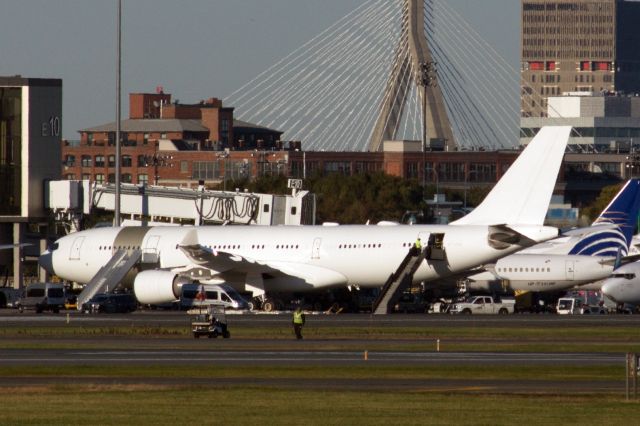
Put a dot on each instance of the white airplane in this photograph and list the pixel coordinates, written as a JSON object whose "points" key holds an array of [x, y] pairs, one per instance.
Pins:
{"points": [[623, 286], [581, 257], [299, 258]]}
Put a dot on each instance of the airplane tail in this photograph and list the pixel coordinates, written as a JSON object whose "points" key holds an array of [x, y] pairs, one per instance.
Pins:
{"points": [[622, 212], [523, 193]]}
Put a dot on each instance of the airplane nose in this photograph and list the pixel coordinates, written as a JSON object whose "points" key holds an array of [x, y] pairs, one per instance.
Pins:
{"points": [[46, 261], [611, 288]]}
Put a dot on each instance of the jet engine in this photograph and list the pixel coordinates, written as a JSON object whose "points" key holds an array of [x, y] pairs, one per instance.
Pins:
{"points": [[157, 287]]}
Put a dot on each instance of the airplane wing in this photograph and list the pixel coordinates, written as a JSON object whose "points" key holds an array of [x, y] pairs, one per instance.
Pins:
{"points": [[224, 262], [218, 261], [502, 236], [614, 261]]}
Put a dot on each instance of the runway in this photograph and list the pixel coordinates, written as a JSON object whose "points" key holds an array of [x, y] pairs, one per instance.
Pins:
{"points": [[367, 352], [38, 357], [176, 318]]}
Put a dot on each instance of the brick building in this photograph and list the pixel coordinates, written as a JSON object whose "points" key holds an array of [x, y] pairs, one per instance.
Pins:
{"points": [[165, 142]]}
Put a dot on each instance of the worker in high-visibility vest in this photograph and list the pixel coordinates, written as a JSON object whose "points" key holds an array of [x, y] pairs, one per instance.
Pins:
{"points": [[298, 322], [417, 247]]}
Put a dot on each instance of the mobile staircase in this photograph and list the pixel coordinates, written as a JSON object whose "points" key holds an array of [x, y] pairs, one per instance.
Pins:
{"points": [[398, 282], [110, 275]]}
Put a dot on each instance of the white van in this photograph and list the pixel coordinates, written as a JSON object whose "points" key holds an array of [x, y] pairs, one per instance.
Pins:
{"points": [[571, 305], [196, 294], [43, 297]]}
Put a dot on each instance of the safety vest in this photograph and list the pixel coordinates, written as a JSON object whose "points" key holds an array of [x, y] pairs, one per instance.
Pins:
{"points": [[418, 244], [297, 318]]}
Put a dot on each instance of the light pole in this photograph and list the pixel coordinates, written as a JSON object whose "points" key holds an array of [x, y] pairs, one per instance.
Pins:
{"points": [[466, 179], [427, 78], [633, 162], [434, 170], [225, 156], [157, 160], [116, 218]]}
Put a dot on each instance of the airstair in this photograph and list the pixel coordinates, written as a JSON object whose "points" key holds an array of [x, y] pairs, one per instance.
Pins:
{"points": [[110, 275], [398, 282]]}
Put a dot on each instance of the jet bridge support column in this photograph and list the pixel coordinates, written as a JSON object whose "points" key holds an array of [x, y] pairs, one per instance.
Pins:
{"points": [[18, 271]]}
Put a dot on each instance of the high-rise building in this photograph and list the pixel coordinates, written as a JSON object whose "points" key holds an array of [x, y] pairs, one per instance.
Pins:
{"points": [[577, 46]]}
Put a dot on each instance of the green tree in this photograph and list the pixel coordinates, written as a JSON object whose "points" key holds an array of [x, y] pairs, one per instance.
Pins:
{"points": [[606, 195]]}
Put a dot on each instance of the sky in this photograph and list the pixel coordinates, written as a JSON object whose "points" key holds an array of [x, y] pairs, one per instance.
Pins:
{"points": [[194, 49]]}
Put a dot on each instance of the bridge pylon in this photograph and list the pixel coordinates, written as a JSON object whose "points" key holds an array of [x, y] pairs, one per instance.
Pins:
{"points": [[413, 65]]}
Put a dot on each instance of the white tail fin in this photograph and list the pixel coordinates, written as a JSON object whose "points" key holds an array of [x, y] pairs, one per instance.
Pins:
{"points": [[522, 195]]}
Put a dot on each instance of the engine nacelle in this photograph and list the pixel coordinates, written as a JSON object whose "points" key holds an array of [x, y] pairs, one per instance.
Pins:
{"points": [[157, 287]]}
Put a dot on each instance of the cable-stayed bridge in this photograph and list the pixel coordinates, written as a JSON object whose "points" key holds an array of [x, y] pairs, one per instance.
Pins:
{"points": [[379, 73]]}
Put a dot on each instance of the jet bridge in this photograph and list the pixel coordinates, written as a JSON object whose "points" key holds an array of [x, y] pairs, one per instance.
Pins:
{"points": [[148, 205]]}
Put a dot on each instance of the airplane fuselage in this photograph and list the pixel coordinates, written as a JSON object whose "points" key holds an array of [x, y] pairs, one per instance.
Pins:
{"points": [[551, 272], [311, 256]]}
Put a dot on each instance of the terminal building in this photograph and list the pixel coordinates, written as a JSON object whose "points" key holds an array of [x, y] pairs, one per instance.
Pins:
{"points": [[602, 122], [30, 152]]}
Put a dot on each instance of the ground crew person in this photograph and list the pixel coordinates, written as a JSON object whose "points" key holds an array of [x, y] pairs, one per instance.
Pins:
{"points": [[417, 247], [298, 322]]}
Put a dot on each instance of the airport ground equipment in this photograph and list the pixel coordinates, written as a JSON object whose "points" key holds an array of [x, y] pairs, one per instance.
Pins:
{"points": [[110, 275], [147, 204], [399, 281], [484, 305], [210, 321]]}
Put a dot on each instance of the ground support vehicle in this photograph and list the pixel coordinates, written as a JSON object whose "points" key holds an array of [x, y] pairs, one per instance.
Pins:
{"points": [[484, 305], [9, 297], [111, 303], [572, 305], [209, 321], [42, 297]]}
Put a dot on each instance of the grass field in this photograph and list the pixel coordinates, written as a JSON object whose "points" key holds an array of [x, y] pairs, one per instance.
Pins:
{"points": [[126, 394], [148, 405], [604, 338]]}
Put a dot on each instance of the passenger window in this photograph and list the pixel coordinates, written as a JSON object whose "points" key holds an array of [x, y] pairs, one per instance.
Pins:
{"points": [[225, 298]]}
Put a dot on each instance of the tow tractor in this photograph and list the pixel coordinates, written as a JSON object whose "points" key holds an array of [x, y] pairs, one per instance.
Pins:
{"points": [[210, 321]]}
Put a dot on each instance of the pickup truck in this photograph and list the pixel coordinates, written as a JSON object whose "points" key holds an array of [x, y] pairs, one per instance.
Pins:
{"points": [[484, 305]]}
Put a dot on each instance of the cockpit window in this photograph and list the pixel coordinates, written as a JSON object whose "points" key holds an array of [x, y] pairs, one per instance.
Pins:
{"points": [[625, 276], [55, 246]]}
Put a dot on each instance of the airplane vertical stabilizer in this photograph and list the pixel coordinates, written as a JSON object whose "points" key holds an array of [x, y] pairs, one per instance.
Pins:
{"points": [[523, 194], [622, 211]]}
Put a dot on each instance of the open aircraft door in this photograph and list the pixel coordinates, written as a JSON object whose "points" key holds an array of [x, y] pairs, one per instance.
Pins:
{"points": [[569, 269], [74, 254], [150, 250]]}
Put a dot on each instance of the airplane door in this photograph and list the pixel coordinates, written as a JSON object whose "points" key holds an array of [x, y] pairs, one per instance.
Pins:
{"points": [[150, 252], [315, 251], [74, 254], [569, 269]]}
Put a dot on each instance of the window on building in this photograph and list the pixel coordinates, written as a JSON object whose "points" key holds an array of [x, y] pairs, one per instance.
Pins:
{"points": [[86, 161], [126, 178], [126, 161], [112, 161], [85, 176], [143, 178], [142, 161], [99, 161], [184, 166], [70, 160], [112, 178], [205, 170], [99, 178]]}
